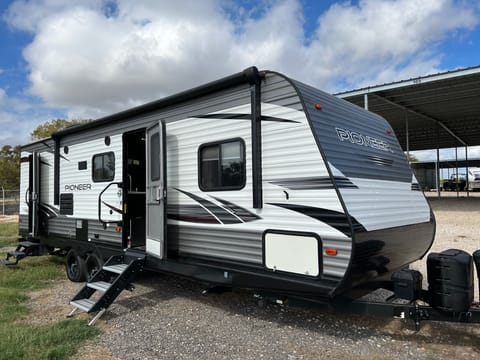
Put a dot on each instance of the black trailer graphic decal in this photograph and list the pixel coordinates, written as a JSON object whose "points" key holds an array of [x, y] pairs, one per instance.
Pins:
{"points": [[335, 219], [313, 183], [236, 116], [228, 214]]}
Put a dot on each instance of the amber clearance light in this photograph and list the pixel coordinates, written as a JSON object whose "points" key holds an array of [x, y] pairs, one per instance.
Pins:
{"points": [[331, 252]]}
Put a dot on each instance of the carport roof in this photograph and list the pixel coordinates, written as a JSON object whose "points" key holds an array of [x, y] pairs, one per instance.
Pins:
{"points": [[440, 110]]}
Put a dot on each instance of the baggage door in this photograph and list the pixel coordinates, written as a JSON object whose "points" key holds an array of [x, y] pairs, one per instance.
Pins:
{"points": [[33, 193], [156, 191]]}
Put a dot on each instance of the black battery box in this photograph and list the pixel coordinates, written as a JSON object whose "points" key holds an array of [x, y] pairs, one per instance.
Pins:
{"points": [[407, 284]]}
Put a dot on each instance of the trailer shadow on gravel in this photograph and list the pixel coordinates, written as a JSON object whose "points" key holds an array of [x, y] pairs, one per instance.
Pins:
{"points": [[161, 298]]}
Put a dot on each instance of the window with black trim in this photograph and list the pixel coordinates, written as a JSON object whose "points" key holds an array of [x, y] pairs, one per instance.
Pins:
{"points": [[154, 157], [103, 167], [222, 165]]}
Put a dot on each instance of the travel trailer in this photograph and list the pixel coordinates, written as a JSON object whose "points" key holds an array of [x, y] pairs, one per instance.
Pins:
{"points": [[255, 180]]}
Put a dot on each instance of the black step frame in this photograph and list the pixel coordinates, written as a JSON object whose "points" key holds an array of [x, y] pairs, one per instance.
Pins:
{"points": [[119, 282]]}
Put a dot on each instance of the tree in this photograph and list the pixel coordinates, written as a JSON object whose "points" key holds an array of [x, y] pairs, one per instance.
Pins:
{"points": [[10, 167], [10, 156], [46, 129]]}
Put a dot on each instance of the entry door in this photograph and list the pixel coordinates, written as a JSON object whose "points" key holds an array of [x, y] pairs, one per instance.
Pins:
{"points": [[33, 193], [156, 191]]}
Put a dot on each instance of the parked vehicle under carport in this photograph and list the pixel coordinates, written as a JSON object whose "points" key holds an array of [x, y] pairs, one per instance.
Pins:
{"points": [[454, 183]]}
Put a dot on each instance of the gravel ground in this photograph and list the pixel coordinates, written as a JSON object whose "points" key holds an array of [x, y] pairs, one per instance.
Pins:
{"points": [[167, 318]]}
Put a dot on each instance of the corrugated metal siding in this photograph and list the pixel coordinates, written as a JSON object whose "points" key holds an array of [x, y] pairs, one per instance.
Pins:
{"points": [[96, 233], [62, 226], [351, 158], [233, 97], [23, 223], [85, 201], [184, 137], [383, 197], [237, 245], [289, 152]]}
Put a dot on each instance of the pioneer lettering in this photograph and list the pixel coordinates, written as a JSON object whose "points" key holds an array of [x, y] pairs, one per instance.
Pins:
{"points": [[363, 140], [78, 187]]}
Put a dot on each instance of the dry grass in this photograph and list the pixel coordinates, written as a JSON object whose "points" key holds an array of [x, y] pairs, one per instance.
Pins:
{"points": [[8, 219]]}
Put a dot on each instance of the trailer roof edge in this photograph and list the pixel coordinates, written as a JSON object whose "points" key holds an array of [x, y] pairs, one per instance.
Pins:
{"points": [[249, 75]]}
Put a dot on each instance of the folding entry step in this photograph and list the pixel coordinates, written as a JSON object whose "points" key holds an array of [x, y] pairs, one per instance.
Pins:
{"points": [[114, 277], [24, 249]]}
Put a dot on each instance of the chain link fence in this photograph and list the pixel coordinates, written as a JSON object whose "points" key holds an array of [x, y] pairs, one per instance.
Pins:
{"points": [[9, 202]]}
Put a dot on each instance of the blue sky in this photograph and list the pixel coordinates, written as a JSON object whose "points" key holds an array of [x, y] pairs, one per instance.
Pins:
{"points": [[85, 59]]}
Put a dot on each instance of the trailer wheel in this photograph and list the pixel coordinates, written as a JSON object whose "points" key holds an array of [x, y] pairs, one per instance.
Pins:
{"points": [[93, 264], [75, 267]]}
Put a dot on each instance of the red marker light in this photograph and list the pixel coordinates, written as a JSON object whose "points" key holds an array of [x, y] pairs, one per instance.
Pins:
{"points": [[318, 106], [388, 131]]}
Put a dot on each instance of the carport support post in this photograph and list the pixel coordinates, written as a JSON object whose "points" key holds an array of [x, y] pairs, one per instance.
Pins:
{"points": [[437, 172], [406, 137], [365, 101], [437, 175], [466, 163], [457, 179]]}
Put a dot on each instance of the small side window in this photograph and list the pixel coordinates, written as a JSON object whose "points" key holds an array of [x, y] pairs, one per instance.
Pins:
{"points": [[222, 165], [103, 167]]}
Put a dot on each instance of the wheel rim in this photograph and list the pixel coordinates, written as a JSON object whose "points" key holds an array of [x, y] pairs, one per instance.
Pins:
{"points": [[73, 267]]}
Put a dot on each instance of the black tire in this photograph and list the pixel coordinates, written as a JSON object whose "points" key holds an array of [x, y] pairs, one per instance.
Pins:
{"points": [[75, 267], [93, 264]]}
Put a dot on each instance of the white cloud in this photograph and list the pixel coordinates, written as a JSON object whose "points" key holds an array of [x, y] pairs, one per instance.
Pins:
{"points": [[381, 41], [19, 116], [30, 15], [95, 57]]}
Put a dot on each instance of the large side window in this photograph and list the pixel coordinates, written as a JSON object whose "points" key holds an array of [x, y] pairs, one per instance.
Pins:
{"points": [[103, 167], [222, 165]]}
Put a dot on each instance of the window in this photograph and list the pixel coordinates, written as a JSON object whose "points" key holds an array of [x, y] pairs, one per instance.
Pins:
{"points": [[103, 168], [154, 157], [222, 166]]}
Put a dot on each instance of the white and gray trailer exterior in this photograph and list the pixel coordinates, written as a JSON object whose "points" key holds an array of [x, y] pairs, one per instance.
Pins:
{"points": [[254, 180]]}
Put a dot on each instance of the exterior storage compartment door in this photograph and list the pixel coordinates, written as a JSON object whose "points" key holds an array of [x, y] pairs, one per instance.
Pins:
{"points": [[155, 191]]}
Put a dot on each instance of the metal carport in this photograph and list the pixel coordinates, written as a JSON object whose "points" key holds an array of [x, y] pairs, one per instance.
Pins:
{"points": [[429, 112]]}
